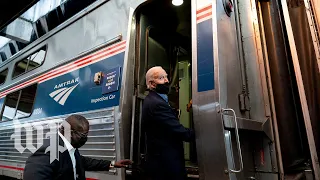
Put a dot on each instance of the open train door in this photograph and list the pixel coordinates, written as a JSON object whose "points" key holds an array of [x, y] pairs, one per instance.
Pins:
{"points": [[203, 48], [214, 48], [232, 99], [208, 95], [235, 48], [196, 43], [183, 40]]}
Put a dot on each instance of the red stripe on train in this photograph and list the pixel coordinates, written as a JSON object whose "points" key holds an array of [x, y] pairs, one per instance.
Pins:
{"points": [[56, 71], [84, 58], [204, 16], [21, 169], [11, 167], [82, 64], [204, 9]]}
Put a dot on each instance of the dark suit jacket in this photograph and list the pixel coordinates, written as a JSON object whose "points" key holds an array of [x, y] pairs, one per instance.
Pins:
{"points": [[38, 166], [164, 139]]}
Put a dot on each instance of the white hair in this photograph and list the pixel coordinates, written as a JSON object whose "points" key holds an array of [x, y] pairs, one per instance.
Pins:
{"points": [[150, 75]]}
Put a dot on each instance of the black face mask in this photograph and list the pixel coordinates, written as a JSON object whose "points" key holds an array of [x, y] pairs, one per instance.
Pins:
{"points": [[79, 142], [163, 88]]}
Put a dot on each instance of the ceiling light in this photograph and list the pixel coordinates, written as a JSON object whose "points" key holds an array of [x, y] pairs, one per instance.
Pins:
{"points": [[177, 2]]}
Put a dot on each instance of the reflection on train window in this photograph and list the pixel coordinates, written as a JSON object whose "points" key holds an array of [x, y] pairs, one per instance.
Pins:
{"points": [[20, 103], [30, 62], [10, 106], [3, 76]]}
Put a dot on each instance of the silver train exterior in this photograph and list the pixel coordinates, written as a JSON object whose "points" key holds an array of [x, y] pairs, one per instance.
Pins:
{"points": [[224, 55]]}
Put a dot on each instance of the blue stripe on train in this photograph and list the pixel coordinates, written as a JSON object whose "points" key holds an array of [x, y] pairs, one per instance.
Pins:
{"points": [[1, 102], [205, 56]]}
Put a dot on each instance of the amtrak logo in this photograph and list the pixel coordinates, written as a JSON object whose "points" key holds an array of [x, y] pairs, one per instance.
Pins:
{"points": [[62, 93]]}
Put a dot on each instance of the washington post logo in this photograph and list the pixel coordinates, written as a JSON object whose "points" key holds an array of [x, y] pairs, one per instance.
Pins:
{"points": [[54, 147], [62, 93]]}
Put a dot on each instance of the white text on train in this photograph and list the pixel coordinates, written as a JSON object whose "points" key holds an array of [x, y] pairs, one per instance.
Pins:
{"points": [[104, 98], [72, 81]]}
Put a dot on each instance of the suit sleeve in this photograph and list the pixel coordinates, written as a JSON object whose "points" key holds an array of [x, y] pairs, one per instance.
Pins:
{"points": [[38, 167], [164, 116], [94, 164]]}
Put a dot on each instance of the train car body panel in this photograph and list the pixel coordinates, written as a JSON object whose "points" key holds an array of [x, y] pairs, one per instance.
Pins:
{"points": [[218, 55], [76, 50], [99, 103]]}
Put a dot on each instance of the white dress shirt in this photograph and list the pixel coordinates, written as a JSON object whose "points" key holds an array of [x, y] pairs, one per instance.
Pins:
{"points": [[71, 150]]}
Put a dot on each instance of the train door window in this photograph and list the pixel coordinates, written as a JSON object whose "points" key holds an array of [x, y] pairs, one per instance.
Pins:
{"points": [[19, 104], [3, 76], [30, 62], [157, 49]]}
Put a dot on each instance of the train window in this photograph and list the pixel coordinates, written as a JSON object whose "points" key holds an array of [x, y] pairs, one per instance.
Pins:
{"points": [[10, 106], [30, 62], [3, 76], [20, 67], [19, 104], [36, 59], [26, 101]]}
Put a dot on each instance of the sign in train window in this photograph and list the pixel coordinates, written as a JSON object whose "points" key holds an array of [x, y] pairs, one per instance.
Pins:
{"points": [[19, 104], [30, 62]]}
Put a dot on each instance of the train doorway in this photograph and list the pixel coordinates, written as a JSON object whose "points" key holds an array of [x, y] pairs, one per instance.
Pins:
{"points": [[163, 38]]}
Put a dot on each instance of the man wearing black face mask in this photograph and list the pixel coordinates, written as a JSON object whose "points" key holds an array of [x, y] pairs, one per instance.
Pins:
{"points": [[164, 133], [71, 165]]}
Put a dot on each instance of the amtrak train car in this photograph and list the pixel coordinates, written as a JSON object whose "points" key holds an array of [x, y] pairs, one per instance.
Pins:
{"points": [[77, 67], [252, 89]]}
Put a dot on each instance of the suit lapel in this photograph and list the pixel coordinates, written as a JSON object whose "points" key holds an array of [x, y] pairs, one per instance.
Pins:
{"points": [[79, 167], [161, 99], [158, 96], [66, 156], [65, 161]]}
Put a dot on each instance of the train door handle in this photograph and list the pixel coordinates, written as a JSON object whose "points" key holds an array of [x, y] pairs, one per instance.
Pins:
{"points": [[237, 139]]}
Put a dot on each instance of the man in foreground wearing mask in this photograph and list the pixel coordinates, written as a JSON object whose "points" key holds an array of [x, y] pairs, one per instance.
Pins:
{"points": [[164, 133], [70, 165]]}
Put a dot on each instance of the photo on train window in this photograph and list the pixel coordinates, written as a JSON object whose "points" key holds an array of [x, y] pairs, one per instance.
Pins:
{"points": [[30, 62], [3, 76], [19, 104]]}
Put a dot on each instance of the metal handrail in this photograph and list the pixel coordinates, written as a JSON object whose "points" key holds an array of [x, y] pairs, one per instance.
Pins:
{"points": [[238, 141]]}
